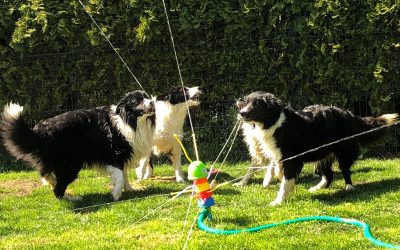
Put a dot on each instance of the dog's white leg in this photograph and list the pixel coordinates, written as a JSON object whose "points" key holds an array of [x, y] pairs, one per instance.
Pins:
{"points": [[148, 170], [247, 177], [285, 188], [278, 171], [141, 169], [249, 173], [176, 162], [127, 186], [349, 187], [117, 178], [269, 174], [139, 175], [322, 184]]}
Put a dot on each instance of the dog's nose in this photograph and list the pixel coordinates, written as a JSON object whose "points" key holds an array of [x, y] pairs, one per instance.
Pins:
{"points": [[243, 112]]}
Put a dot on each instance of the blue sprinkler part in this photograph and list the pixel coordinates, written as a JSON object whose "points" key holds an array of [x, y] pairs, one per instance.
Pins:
{"points": [[205, 203], [367, 234]]}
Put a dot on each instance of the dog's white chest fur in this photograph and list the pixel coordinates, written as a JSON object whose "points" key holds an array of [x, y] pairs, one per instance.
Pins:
{"points": [[141, 139], [256, 134], [169, 121]]}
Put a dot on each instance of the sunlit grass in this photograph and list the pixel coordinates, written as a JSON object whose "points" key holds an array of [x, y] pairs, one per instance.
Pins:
{"points": [[30, 216]]}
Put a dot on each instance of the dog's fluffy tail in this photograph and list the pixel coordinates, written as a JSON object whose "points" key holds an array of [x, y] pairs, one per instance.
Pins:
{"points": [[18, 138], [376, 122]]}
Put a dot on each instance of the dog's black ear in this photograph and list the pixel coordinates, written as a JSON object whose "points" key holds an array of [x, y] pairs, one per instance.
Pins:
{"points": [[127, 115], [266, 98], [119, 108], [164, 97], [271, 100]]}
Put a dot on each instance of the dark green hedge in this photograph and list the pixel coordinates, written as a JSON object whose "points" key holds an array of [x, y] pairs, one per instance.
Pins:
{"points": [[53, 58]]}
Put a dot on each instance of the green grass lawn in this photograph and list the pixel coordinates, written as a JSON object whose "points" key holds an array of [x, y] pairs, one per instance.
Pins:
{"points": [[30, 216]]}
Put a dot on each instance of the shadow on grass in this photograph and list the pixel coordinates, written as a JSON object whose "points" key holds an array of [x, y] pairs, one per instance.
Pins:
{"points": [[367, 170], [223, 176], [363, 192], [94, 202], [309, 177], [228, 191], [240, 221]]}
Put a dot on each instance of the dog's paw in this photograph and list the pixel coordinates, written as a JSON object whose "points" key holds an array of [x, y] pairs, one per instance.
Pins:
{"points": [[276, 202], [349, 187], [128, 188], [314, 189], [240, 184], [147, 176], [180, 179], [266, 183], [139, 187], [116, 194], [72, 198]]}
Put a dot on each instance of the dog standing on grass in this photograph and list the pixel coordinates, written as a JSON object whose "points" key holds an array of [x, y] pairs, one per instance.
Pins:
{"points": [[110, 138], [282, 132], [171, 112], [258, 158]]}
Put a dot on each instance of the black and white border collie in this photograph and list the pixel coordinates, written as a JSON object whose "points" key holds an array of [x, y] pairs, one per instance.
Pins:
{"points": [[109, 138], [258, 158], [171, 112], [283, 132]]}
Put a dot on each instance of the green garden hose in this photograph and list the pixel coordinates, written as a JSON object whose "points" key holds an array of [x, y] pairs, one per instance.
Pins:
{"points": [[367, 234]]}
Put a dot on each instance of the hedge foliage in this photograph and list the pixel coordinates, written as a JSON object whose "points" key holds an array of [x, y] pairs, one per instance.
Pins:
{"points": [[54, 58]]}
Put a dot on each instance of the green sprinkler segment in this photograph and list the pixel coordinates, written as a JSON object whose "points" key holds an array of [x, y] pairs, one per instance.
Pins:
{"points": [[367, 234]]}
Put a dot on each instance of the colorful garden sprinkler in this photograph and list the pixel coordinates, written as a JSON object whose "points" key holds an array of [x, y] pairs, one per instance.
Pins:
{"points": [[197, 172]]}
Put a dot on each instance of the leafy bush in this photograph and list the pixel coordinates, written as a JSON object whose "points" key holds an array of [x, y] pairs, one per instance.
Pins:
{"points": [[53, 58]]}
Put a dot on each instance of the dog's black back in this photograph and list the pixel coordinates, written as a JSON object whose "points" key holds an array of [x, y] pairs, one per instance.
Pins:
{"points": [[83, 136], [60, 146]]}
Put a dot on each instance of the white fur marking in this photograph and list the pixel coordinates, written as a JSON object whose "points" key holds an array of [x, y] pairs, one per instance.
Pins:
{"points": [[49, 180], [13, 110], [349, 187], [142, 168], [148, 173], [390, 118], [285, 188], [192, 93], [141, 139], [244, 110], [269, 174], [117, 178], [322, 184], [267, 140]]}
